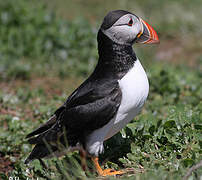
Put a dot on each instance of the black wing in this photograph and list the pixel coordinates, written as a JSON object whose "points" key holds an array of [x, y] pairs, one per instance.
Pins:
{"points": [[47, 125], [89, 107]]}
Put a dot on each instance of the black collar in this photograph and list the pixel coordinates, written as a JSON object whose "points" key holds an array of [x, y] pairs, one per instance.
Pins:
{"points": [[114, 59]]}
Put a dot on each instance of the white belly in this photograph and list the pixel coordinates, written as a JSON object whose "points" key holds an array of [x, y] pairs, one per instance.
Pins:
{"points": [[135, 87]]}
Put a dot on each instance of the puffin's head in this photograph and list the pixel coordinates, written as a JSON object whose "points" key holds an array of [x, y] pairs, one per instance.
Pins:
{"points": [[124, 27]]}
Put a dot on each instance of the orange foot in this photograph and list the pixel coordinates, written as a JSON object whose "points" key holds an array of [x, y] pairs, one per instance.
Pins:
{"points": [[105, 172], [111, 172]]}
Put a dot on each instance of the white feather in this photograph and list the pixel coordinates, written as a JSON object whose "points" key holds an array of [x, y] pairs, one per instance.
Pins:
{"points": [[135, 88]]}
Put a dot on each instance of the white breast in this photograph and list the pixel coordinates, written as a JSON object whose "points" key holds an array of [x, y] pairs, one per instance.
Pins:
{"points": [[135, 87]]}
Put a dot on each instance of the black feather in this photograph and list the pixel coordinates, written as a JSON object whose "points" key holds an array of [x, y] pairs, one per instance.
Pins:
{"points": [[47, 125], [40, 151], [90, 106]]}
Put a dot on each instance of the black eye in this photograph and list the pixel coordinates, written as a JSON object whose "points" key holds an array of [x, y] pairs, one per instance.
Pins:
{"points": [[130, 23]]}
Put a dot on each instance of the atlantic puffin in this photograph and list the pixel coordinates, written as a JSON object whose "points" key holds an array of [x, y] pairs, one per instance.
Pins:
{"points": [[104, 103]]}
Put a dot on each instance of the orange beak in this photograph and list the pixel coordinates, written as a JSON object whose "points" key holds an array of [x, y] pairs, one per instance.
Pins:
{"points": [[148, 35]]}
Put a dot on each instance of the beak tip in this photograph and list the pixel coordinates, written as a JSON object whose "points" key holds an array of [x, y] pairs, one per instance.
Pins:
{"points": [[152, 35]]}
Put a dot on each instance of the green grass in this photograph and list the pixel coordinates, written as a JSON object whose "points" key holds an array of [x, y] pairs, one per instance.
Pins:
{"points": [[44, 57], [163, 141]]}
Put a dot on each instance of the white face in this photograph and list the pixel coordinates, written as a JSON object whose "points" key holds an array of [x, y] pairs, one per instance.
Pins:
{"points": [[124, 30]]}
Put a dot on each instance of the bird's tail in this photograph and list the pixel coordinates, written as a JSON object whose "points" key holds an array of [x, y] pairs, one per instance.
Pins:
{"points": [[48, 139], [40, 151]]}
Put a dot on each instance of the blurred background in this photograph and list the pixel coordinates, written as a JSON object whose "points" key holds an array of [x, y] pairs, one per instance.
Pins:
{"points": [[48, 47], [39, 36]]}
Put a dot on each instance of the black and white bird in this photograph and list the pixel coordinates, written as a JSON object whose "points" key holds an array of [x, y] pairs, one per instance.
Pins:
{"points": [[109, 99]]}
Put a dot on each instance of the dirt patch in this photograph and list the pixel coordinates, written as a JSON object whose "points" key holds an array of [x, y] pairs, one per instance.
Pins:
{"points": [[5, 164], [51, 88], [8, 111], [179, 51], [51, 85]]}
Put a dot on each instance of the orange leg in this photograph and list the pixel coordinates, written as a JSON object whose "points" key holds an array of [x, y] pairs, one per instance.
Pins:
{"points": [[105, 172]]}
